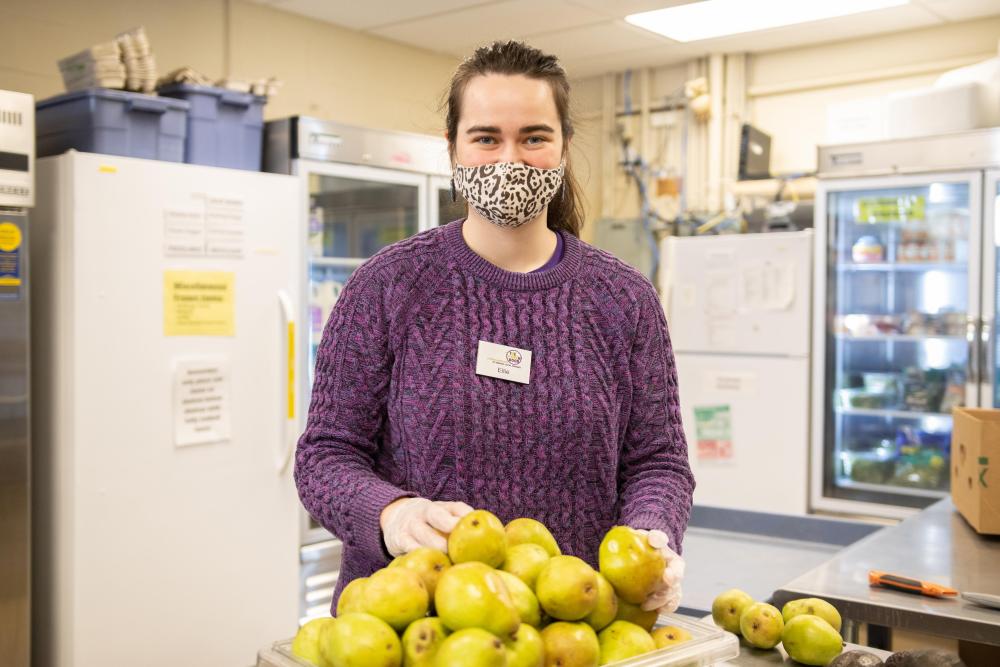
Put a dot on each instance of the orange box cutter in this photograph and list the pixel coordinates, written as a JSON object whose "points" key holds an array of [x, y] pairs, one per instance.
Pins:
{"points": [[907, 585]]}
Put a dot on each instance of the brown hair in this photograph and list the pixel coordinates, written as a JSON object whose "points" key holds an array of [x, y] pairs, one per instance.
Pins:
{"points": [[513, 58]]}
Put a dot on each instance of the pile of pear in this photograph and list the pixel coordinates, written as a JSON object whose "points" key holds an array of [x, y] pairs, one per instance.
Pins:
{"points": [[808, 629], [502, 596]]}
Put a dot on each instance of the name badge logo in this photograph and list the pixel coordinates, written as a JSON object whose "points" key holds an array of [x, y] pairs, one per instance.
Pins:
{"points": [[503, 362]]}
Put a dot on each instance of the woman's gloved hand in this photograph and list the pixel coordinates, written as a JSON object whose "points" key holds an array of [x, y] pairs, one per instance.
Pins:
{"points": [[411, 523], [666, 596]]}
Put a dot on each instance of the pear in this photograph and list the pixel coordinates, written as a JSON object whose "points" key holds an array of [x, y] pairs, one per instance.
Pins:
{"points": [[628, 562], [622, 640], [567, 588], [360, 640], [428, 563], [352, 598], [525, 648], [397, 596], [761, 625], [633, 613], [472, 595], [606, 608], [471, 647], [728, 607], [814, 606], [478, 536], [669, 635], [524, 599], [811, 640], [530, 531], [307, 639], [570, 645], [421, 641], [525, 561]]}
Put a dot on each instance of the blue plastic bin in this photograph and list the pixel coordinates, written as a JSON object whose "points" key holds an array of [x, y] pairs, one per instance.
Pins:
{"points": [[102, 120], [225, 127]]}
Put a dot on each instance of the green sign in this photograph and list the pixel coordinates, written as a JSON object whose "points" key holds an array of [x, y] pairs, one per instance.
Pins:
{"points": [[714, 430], [874, 210]]}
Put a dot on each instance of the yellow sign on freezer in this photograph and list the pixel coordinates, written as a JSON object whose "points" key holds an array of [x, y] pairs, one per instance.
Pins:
{"points": [[199, 303]]}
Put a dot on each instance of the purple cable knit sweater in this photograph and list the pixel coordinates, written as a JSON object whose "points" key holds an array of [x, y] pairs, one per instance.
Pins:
{"points": [[397, 409]]}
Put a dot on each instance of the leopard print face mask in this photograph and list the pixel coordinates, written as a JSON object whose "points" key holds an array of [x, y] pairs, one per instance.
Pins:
{"points": [[508, 194]]}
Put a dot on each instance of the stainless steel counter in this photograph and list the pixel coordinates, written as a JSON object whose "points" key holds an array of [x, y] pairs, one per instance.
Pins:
{"points": [[935, 545]]}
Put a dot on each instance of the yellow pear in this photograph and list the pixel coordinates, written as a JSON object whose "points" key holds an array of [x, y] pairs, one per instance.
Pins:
{"points": [[525, 561], [352, 598], [567, 588], [524, 599], [360, 640], [570, 645], [421, 641], [478, 536], [525, 648], [623, 640], [628, 562], [728, 607], [397, 596], [633, 613], [814, 606], [307, 640], [530, 531], [607, 605], [669, 635], [428, 563], [472, 595], [471, 647]]}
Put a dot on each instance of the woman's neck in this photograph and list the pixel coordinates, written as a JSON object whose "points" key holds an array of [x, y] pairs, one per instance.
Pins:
{"points": [[517, 249]]}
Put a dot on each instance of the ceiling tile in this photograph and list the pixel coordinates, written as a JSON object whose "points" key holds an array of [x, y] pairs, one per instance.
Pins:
{"points": [[593, 40], [962, 10], [657, 56], [360, 15], [459, 31], [622, 8]]}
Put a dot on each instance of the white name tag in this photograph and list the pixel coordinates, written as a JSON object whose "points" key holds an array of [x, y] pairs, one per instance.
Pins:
{"points": [[501, 361]]}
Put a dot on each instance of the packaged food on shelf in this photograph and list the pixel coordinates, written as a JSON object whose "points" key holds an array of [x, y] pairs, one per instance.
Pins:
{"points": [[881, 383], [861, 325], [864, 399], [867, 250]]}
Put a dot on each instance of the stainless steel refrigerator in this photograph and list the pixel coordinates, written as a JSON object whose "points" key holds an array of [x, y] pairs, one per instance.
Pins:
{"points": [[361, 189], [17, 164], [905, 317]]}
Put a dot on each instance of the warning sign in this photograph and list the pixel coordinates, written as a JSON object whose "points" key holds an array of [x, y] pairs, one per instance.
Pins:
{"points": [[198, 303], [713, 428], [10, 254]]}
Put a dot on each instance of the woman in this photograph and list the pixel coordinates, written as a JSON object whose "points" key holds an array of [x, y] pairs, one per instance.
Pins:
{"points": [[498, 362]]}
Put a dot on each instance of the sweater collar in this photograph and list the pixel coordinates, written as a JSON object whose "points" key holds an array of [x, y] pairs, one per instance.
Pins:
{"points": [[468, 260]]}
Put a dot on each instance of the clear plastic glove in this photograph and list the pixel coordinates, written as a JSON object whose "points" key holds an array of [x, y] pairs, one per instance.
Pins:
{"points": [[418, 522], [666, 596]]}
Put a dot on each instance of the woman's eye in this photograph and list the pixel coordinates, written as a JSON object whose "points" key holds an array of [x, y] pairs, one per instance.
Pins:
{"points": [[535, 140], [484, 140]]}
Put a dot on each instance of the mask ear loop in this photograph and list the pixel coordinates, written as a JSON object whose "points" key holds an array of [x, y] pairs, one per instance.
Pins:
{"points": [[453, 198]]}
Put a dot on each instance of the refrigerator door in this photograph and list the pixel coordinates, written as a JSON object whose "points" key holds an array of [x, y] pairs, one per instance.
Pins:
{"points": [[354, 211], [747, 423], [989, 348], [897, 293], [441, 208], [745, 294], [165, 298]]}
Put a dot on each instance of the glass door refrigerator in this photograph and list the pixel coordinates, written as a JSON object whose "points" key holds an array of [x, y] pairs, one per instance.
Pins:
{"points": [[361, 190], [905, 303]]}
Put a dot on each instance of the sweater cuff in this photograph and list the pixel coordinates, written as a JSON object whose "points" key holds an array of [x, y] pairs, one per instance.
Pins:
{"points": [[654, 521], [366, 530]]}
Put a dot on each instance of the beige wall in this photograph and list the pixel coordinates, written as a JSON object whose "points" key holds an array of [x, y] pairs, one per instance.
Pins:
{"points": [[327, 71]]}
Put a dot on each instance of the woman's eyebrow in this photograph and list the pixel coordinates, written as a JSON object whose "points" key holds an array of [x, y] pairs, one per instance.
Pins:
{"points": [[536, 128], [492, 129]]}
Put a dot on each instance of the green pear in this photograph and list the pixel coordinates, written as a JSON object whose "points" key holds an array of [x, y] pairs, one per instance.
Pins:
{"points": [[728, 607], [360, 640], [633, 613], [622, 640], [811, 640], [478, 536], [530, 531], [567, 588], [352, 598], [471, 647], [668, 635], [525, 648], [421, 641], [570, 645], [524, 599], [761, 625], [472, 595], [606, 608], [428, 563], [814, 606], [628, 562], [397, 596], [307, 639], [525, 561]]}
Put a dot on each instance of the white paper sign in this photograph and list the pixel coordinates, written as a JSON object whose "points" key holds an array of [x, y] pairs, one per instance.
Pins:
{"points": [[201, 402]]}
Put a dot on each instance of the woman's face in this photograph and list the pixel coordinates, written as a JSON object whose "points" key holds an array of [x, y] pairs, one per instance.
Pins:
{"points": [[508, 119]]}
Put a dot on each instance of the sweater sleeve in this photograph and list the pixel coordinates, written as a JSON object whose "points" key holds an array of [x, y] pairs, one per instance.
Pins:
{"points": [[655, 482], [335, 457]]}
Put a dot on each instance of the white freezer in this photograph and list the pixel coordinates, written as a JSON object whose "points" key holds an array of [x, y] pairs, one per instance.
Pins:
{"points": [[763, 464], [149, 552]]}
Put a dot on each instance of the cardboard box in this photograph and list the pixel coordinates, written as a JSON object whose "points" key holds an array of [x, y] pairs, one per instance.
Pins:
{"points": [[975, 467]]}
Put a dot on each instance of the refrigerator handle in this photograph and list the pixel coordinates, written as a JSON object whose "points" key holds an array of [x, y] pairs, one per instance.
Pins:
{"points": [[972, 358], [283, 453]]}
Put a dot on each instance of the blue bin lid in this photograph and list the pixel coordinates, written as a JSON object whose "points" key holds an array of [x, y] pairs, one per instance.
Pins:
{"points": [[174, 88], [110, 94]]}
